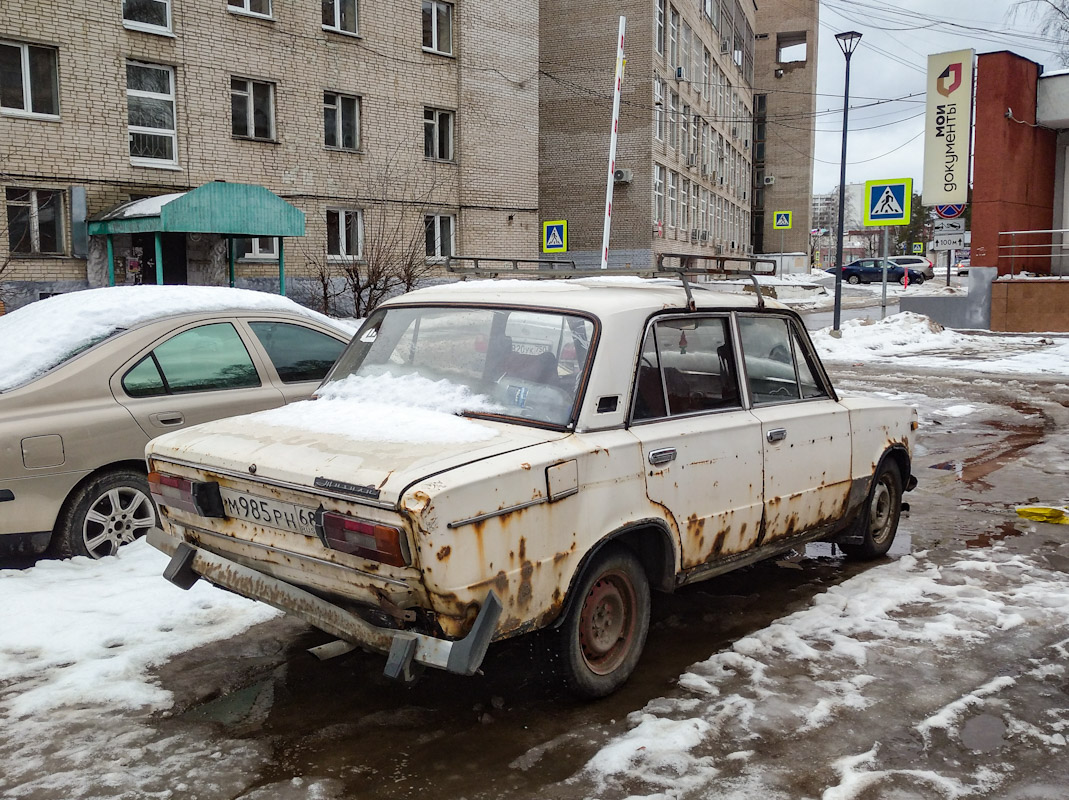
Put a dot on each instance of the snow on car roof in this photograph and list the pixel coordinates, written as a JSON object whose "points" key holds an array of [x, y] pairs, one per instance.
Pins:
{"points": [[42, 335], [598, 295]]}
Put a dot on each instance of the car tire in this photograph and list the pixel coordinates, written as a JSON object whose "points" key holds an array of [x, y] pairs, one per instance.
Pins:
{"points": [[918, 280], [854, 279], [604, 631], [110, 510], [878, 521]]}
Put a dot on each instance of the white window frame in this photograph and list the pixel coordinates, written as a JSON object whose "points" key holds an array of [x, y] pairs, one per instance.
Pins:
{"points": [[658, 110], [658, 193], [35, 221], [147, 27], [336, 26], [434, 124], [255, 252], [344, 245], [435, 220], [27, 87], [673, 37], [244, 7], [437, 8], [142, 161], [658, 38], [673, 120], [673, 200], [250, 110], [338, 106]]}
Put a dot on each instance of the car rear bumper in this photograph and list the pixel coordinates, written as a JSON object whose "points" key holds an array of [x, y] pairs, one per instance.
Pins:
{"points": [[404, 648]]}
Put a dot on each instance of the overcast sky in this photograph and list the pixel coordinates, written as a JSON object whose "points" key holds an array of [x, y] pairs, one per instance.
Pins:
{"points": [[885, 140]]}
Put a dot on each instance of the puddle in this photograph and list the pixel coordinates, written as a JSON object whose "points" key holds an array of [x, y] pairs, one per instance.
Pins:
{"points": [[1006, 530], [983, 733]]}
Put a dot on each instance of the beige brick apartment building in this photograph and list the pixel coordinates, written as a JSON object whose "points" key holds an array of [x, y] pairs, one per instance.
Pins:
{"points": [[685, 149], [387, 123], [785, 85]]}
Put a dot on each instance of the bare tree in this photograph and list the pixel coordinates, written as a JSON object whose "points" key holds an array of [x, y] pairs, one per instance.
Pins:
{"points": [[1053, 18], [392, 255]]}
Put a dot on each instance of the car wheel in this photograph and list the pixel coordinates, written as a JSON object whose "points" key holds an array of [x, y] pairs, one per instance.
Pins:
{"points": [[111, 510], [854, 279], [605, 629], [918, 280], [878, 521]]}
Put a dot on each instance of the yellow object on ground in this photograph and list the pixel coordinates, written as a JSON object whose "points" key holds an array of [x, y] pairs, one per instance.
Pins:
{"points": [[1044, 514]]}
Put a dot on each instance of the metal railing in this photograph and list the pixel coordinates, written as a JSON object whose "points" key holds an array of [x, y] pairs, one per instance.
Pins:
{"points": [[1042, 251]]}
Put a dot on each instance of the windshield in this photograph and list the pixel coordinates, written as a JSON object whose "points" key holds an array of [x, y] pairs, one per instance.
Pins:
{"points": [[510, 362]]}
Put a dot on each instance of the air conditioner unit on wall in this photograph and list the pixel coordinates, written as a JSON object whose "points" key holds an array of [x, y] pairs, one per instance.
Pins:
{"points": [[692, 160], [725, 46], [681, 73], [621, 175], [769, 180], [705, 236]]}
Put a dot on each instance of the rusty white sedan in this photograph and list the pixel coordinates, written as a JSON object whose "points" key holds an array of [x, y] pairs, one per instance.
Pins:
{"points": [[491, 458]]}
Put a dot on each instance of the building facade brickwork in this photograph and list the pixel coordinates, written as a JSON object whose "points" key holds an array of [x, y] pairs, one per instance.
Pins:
{"points": [[276, 73], [684, 131], [785, 85]]}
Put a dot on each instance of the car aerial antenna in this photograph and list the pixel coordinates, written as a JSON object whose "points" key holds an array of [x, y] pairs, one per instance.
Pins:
{"points": [[555, 269]]}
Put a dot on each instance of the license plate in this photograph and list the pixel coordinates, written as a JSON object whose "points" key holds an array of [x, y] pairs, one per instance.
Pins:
{"points": [[272, 513]]}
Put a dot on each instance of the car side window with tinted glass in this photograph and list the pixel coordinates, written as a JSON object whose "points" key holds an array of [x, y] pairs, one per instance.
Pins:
{"points": [[767, 350], [207, 358], [689, 362], [298, 353], [808, 372]]}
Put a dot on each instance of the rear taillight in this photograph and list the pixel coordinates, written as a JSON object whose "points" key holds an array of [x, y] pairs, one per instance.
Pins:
{"points": [[196, 497], [359, 538]]}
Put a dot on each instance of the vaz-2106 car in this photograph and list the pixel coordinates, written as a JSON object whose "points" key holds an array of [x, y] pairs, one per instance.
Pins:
{"points": [[492, 458]]}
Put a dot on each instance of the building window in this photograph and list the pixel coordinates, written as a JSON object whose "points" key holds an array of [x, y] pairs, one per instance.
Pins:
{"points": [[35, 221], [441, 236], [259, 8], [438, 26], [153, 16], [673, 38], [29, 79], [790, 47], [438, 134], [345, 234], [340, 15], [658, 110], [673, 120], [659, 37], [658, 194], [673, 206], [252, 105], [341, 121], [259, 248], [150, 111]]}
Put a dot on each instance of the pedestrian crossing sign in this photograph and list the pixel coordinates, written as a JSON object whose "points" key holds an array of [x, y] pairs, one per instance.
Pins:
{"points": [[781, 220], [555, 236], [918, 248], [888, 202]]}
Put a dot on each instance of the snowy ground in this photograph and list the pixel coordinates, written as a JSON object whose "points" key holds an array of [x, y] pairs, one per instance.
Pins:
{"points": [[833, 680]]}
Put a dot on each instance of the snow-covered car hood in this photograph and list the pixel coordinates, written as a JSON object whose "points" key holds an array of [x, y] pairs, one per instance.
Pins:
{"points": [[370, 450]]}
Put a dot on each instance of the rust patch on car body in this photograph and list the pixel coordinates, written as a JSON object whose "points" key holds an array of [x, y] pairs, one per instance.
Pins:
{"points": [[443, 554]]}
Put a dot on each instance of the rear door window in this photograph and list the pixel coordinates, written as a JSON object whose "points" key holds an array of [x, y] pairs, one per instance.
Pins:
{"points": [[298, 353], [207, 358]]}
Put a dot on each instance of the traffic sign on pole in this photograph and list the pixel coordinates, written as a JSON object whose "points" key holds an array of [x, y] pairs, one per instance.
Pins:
{"points": [[888, 202], [950, 211], [781, 220]]}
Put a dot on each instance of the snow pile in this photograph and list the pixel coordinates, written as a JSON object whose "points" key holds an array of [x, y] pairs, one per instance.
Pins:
{"points": [[918, 341], [862, 647], [387, 408], [84, 632], [41, 335]]}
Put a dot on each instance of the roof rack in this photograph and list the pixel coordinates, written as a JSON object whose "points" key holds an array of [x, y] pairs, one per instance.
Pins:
{"points": [[556, 269]]}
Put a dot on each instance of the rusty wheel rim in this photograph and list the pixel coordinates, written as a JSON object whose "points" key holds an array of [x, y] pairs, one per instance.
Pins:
{"points": [[881, 513], [607, 622]]}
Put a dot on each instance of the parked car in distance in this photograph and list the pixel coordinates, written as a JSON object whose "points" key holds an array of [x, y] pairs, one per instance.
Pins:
{"points": [[870, 270], [87, 378], [963, 266], [491, 458], [917, 263]]}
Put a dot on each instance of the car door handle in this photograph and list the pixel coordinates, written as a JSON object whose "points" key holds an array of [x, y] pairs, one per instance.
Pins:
{"points": [[657, 457], [776, 434], [167, 419]]}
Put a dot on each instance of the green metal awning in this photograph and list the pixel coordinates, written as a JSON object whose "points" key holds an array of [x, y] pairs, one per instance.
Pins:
{"points": [[225, 209], [230, 209]]}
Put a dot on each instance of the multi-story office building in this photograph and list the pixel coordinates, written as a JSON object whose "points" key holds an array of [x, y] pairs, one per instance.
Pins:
{"points": [[683, 161], [785, 85], [402, 131]]}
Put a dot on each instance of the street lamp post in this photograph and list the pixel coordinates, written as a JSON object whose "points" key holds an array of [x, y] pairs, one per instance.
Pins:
{"points": [[847, 43]]}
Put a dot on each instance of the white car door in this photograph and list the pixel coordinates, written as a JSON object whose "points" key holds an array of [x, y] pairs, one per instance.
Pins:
{"points": [[701, 450], [804, 431]]}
